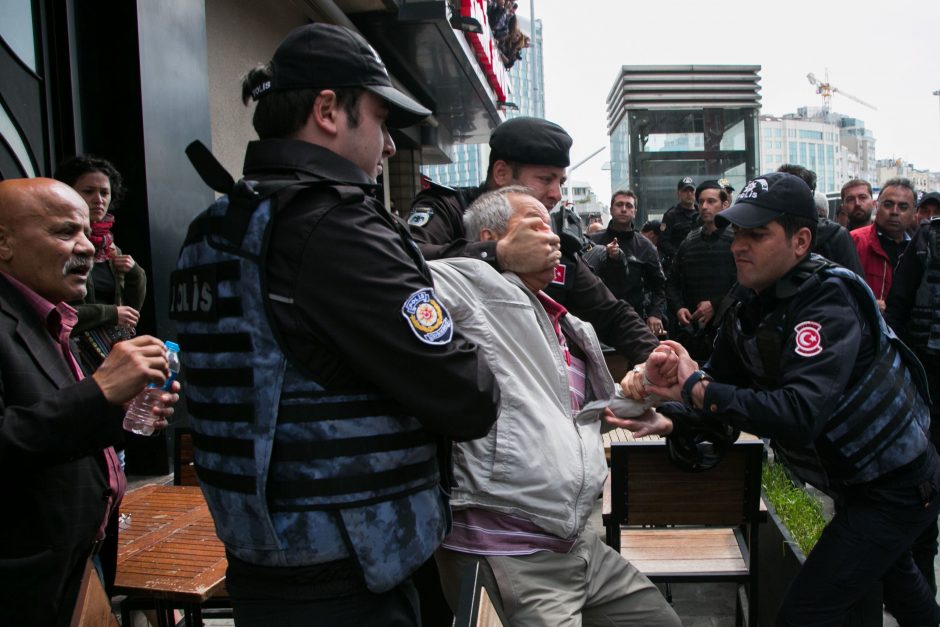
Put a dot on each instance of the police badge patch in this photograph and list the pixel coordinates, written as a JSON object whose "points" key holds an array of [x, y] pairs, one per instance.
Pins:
{"points": [[420, 216], [427, 317]]}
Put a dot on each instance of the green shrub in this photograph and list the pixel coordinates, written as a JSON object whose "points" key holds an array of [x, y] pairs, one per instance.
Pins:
{"points": [[800, 512]]}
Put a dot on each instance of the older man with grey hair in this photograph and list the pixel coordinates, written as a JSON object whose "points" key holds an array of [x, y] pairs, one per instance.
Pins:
{"points": [[525, 491]]}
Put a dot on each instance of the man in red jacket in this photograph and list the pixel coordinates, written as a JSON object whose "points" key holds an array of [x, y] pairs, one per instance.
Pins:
{"points": [[880, 244]]}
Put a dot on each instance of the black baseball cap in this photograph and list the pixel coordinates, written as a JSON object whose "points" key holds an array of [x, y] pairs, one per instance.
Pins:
{"points": [[650, 225], [768, 197], [327, 56], [684, 182], [726, 184], [531, 141], [931, 197]]}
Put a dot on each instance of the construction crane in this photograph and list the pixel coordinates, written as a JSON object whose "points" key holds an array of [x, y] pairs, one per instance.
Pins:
{"points": [[826, 89]]}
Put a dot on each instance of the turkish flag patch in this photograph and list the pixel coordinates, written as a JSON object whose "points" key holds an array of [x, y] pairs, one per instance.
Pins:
{"points": [[808, 339], [560, 271]]}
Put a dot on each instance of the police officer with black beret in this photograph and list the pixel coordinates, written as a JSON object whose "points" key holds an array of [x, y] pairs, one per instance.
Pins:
{"points": [[534, 153], [804, 358]]}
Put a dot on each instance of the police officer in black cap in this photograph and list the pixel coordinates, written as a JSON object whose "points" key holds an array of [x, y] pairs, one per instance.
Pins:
{"points": [[534, 153], [327, 379], [677, 222], [805, 359]]}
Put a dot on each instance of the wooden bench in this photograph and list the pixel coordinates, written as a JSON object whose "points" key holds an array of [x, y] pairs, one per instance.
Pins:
{"points": [[677, 526], [474, 607]]}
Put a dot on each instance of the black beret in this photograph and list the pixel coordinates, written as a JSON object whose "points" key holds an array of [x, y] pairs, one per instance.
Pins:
{"points": [[711, 185], [531, 141]]}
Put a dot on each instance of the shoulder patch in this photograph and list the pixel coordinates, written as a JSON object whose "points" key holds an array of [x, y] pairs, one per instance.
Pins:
{"points": [[808, 339], [428, 318], [561, 271], [420, 216], [663, 226]]}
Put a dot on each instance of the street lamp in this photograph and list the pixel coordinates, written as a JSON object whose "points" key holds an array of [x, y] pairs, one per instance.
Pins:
{"points": [[578, 165], [937, 93]]}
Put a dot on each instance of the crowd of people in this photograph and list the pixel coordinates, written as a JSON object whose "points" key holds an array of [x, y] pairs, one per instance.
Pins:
{"points": [[367, 394], [510, 40]]}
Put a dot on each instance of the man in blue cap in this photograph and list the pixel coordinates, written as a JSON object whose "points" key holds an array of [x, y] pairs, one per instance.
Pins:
{"points": [[805, 359]]}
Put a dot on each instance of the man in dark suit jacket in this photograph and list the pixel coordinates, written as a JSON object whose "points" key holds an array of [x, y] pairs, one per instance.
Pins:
{"points": [[59, 478]]}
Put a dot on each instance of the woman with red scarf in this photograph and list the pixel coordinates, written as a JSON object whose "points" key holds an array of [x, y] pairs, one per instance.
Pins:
{"points": [[117, 285]]}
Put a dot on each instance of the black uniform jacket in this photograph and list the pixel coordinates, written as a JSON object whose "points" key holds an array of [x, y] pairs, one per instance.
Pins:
{"points": [[636, 275], [350, 271], [815, 366]]}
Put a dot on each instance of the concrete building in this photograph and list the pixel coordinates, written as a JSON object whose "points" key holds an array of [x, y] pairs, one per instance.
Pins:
{"points": [[585, 202], [666, 122], [837, 147], [893, 168], [813, 143]]}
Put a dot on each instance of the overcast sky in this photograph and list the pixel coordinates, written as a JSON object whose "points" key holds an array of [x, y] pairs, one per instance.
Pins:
{"points": [[887, 54]]}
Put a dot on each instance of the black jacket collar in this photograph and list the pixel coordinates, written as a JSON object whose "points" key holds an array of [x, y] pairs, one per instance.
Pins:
{"points": [[291, 157]]}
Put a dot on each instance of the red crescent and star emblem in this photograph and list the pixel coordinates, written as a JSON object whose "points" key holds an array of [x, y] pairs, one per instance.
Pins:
{"points": [[808, 339]]}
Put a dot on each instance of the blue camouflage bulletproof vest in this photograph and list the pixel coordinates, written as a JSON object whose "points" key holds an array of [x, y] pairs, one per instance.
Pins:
{"points": [[881, 422], [924, 327], [294, 474]]}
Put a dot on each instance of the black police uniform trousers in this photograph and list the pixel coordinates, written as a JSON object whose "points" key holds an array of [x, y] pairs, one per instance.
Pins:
{"points": [[868, 539], [396, 608]]}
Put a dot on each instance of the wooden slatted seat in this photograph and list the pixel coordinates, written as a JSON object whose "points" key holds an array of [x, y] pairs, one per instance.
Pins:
{"points": [[475, 609], [677, 526]]}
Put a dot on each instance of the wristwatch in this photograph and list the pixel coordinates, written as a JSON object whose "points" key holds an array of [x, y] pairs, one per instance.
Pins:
{"points": [[690, 383]]}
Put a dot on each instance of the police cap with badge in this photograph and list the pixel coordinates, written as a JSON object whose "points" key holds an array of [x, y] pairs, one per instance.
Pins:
{"points": [[314, 56], [685, 182], [326, 56], [767, 198]]}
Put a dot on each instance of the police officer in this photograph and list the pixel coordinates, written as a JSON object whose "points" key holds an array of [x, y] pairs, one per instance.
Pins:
{"points": [[805, 359], [534, 153], [677, 222], [702, 273], [325, 374]]}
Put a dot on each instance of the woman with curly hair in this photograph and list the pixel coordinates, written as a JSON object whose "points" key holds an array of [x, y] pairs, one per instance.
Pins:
{"points": [[117, 285]]}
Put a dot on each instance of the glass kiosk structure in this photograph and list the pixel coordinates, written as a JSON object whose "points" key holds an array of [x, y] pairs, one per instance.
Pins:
{"points": [[667, 122]]}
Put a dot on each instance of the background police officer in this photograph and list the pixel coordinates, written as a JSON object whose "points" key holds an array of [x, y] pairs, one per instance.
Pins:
{"points": [[534, 153], [806, 360], [677, 222], [326, 376]]}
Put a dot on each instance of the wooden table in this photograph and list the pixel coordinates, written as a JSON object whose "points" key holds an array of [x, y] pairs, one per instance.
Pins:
{"points": [[169, 553]]}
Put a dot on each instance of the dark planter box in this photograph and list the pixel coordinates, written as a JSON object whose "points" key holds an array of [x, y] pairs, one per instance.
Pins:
{"points": [[780, 561]]}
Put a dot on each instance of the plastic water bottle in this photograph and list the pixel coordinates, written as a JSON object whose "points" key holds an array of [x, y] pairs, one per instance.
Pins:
{"points": [[139, 418]]}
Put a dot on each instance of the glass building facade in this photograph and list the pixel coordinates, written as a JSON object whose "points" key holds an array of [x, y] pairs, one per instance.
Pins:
{"points": [[835, 147]]}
